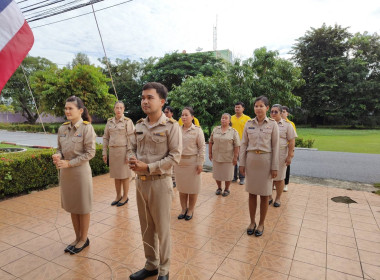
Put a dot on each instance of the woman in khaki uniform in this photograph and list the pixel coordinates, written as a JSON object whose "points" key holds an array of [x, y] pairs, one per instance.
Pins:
{"points": [[223, 152], [188, 171], [259, 152], [76, 146], [287, 143], [116, 137]]}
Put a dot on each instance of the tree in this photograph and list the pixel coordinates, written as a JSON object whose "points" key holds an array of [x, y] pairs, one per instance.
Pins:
{"points": [[174, 68], [265, 74], [127, 76], [322, 55], [209, 97], [87, 82], [80, 59], [17, 87]]}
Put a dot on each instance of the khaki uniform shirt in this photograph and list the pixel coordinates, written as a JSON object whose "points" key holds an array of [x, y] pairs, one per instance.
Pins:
{"points": [[193, 143], [159, 145], [264, 137], [287, 133], [76, 143], [117, 133], [223, 144]]}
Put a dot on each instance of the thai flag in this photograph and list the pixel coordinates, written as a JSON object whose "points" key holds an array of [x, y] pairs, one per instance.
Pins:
{"points": [[16, 39]]}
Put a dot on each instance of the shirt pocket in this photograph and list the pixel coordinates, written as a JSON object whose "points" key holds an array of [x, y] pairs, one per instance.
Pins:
{"points": [[226, 145], [140, 138], [253, 135], [159, 143]]}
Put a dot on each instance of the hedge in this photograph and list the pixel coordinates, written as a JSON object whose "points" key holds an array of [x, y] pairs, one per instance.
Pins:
{"points": [[34, 170], [307, 143]]}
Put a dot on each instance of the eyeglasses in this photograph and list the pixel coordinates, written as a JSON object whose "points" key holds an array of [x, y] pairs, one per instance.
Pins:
{"points": [[274, 112]]}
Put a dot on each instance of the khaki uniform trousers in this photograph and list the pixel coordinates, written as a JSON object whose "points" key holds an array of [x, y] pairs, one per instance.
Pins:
{"points": [[154, 200]]}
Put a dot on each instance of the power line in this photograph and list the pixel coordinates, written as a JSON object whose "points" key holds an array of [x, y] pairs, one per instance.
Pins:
{"points": [[121, 3]]}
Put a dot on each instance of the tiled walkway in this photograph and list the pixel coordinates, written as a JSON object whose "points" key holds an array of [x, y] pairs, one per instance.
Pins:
{"points": [[308, 237]]}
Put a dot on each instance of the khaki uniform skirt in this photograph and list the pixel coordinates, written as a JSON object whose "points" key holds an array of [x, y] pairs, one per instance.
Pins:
{"points": [[76, 189], [258, 179], [186, 177], [222, 171], [281, 173], [118, 168]]}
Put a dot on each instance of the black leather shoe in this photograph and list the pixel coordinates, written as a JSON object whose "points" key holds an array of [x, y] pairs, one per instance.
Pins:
{"points": [[182, 216], [188, 218], [259, 233], [277, 204], [69, 248], [115, 202], [143, 273], [251, 231], [270, 201], [76, 250], [122, 203], [165, 277]]}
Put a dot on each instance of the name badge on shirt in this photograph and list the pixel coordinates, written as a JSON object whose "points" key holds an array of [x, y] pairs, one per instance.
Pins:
{"points": [[78, 135], [251, 128], [139, 132], [159, 134]]}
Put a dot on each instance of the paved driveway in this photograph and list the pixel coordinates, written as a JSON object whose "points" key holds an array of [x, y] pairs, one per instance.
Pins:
{"points": [[364, 168]]}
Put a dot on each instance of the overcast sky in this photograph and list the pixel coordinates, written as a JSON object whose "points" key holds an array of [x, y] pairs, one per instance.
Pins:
{"points": [[144, 28]]}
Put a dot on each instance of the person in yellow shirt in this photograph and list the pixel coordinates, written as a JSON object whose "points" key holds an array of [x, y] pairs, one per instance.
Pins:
{"points": [[284, 115], [238, 122], [196, 122]]}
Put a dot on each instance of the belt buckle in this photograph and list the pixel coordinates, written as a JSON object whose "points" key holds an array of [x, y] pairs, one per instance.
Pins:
{"points": [[143, 177], [257, 152]]}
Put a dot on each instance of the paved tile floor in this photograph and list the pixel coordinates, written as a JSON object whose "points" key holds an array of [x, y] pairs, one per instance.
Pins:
{"points": [[308, 237]]}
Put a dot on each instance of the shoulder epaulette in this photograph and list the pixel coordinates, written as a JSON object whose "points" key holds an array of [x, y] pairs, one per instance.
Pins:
{"points": [[86, 122], [66, 123], [140, 120], [126, 118], [197, 126], [172, 120], [271, 119], [109, 119]]}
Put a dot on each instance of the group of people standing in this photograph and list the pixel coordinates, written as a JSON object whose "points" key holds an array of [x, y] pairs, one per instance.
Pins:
{"points": [[157, 144]]}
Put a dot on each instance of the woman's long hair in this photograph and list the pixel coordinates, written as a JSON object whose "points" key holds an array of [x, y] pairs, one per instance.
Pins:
{"points": [[79, 103]]}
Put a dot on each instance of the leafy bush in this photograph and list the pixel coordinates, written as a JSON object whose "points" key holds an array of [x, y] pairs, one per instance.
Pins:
{"points": [[307, 143], [33, 170]]}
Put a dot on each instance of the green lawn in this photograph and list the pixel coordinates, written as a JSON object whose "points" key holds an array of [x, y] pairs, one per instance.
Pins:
{"points": [[343, 140], [13, 146]]}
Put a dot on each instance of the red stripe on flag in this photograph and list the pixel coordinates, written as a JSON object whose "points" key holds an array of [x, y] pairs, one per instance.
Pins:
{"points": [[14, 53]]}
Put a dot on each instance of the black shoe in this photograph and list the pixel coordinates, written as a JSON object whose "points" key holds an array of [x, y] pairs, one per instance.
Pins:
{"points": [[76, 250], [165, 277], [142, 274], [122, 203], [277, 204], [174, 184], [188, 218], [259, 233], [250, 231], [69, 248], [182, 216], [115, 202], [234, 180], [270, 201]]}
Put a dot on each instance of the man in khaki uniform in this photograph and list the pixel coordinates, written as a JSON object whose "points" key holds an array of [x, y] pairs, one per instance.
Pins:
{"points": [[157, 144], [169, 114], [284, 115]]}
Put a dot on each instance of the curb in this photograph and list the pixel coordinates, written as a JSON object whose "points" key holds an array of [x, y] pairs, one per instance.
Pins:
{"points": [[25, 145]]}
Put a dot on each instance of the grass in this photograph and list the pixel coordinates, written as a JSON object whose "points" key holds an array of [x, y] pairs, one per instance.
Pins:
{"points": [[14, 146], [343, 140]]}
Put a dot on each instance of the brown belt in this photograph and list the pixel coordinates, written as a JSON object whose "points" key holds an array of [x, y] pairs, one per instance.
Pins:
{"points": [[258, 152], [187, 156], [152, 177]]}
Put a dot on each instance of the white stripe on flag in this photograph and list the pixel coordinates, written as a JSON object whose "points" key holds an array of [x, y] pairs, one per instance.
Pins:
{"points": [[11, 20]]}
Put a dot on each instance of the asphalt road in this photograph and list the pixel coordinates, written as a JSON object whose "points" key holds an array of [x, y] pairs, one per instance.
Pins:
{"points": [[354, 167]]}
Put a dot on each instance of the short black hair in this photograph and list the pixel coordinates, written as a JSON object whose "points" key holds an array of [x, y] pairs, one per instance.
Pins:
{"points": [[262, 98], [240, 103], [160, 89], [285, 108], [171, 110]]}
